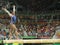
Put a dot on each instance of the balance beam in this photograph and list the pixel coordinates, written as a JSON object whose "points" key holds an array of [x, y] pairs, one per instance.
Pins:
{"points": [[33, 41]]}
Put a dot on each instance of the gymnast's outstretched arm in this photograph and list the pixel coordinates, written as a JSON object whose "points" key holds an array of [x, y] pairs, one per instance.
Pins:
{"points": [[14, 9], [7, 11]]}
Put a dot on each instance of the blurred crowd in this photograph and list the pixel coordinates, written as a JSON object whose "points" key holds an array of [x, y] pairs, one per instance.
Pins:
{"points": [[46, 31]]}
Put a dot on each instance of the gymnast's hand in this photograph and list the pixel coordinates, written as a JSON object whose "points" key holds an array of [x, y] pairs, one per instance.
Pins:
{"points": [[14, 6], [3, 8]]}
